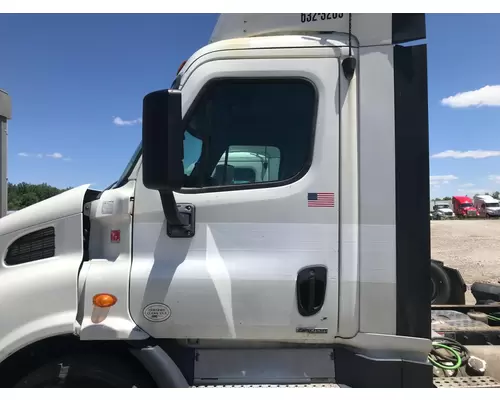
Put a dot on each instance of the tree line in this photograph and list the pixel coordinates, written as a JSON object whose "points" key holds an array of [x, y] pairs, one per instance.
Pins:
{"points": [[24, 194]]}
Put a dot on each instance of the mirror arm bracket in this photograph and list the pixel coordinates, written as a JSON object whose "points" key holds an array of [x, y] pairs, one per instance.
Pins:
{"points": [[180, 217], [169, 206]]}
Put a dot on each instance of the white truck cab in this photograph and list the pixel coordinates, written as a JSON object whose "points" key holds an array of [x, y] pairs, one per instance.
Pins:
{"points": [[311, 273], [443, 211], [487, 206]]}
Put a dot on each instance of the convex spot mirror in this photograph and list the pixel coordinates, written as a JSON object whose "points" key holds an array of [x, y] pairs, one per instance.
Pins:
{"points": [[162, 141]]}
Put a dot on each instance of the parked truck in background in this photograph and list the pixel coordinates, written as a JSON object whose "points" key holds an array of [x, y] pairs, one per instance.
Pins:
{"points": [[440, 203], [442, 211], [315, 275], [487, 206], [463, 207]]}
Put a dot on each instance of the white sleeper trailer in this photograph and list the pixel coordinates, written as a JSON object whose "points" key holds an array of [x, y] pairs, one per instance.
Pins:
{"points": [[171, 279]]}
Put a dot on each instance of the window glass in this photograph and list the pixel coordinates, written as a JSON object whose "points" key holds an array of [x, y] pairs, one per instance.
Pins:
{"points": [[245, 132], [247, 164], [192, 152]]}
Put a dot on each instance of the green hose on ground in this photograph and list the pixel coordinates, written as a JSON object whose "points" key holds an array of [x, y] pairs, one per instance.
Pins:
{"points": [[459, 354]]}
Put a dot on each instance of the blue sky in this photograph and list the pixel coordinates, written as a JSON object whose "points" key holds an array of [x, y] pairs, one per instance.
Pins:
{"points": [[70, 76], [77, 83]]}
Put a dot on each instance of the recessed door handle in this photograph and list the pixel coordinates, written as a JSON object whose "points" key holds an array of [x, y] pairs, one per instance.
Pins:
{"points": [[311, 289]]}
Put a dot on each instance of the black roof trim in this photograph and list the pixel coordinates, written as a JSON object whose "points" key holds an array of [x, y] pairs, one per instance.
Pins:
{"points": [[408, 27]]}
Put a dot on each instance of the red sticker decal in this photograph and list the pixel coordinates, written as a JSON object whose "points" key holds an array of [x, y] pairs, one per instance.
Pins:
{"points": [[115, 236]]}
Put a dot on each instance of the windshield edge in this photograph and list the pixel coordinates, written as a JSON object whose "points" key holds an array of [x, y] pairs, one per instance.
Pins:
{"points": [[138, 151]]}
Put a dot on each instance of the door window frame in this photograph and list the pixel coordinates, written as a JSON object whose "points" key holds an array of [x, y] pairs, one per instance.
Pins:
{"points": [[255, 185]]}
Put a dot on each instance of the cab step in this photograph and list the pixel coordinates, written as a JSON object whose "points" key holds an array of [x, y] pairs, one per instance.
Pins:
{"points": [[284, 386], [466, 382]]}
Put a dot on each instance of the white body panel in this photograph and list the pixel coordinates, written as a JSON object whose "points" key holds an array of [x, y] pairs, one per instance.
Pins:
{"points": [[63, 205], [108, 270], [236, 278], [39, 298], [367, 271], [377, 218], [376, 287]]}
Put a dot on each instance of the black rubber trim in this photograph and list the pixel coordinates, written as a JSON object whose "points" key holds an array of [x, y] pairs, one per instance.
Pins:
{"points": [[358, 371], [160, 366], [412, 192], [408, 27], [441, 285], [485, 292], [458, 286]]}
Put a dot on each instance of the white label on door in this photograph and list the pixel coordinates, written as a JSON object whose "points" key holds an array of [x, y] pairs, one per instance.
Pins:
{"points": [[157, 312], [107, 207]]}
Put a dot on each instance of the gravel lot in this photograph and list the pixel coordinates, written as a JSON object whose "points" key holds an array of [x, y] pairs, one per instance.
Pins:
{"points": [[471, 246]]}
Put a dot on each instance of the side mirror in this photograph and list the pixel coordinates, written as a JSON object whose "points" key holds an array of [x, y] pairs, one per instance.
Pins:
{"points": [[162, 141]]}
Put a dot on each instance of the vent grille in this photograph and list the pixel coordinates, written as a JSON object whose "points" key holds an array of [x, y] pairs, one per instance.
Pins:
{"points": [[31, 247]]}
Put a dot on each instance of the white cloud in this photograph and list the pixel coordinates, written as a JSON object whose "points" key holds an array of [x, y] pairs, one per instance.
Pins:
{"points": [[474, 191], [438, 180], [494, 178], [467, 154], [467, 185], [55, 155], [120, 122], [486, 96]]}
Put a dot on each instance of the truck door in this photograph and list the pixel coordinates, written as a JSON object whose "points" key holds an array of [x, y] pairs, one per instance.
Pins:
{"points": [[263, 261]]}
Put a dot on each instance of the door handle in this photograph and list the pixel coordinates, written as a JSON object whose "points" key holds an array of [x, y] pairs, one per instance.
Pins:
{"points": [[311, 289]]}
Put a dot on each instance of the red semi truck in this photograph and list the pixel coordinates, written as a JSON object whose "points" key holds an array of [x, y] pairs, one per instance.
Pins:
{"points": [[463, 207]]}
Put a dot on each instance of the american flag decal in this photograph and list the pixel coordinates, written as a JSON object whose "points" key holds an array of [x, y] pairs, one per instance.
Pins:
{"points": [[320, 200]]}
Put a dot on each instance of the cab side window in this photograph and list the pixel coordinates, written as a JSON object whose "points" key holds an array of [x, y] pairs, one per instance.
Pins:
{"points": [[248, 132], [243, 165]]}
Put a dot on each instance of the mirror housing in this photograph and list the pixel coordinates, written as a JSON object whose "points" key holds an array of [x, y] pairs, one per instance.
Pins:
{"points": [[162, 141]]}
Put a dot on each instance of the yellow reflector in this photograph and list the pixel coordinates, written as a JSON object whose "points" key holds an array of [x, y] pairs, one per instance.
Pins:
{"points": [[104, 300]]}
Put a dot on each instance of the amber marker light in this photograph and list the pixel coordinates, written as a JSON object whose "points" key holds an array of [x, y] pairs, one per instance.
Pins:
{"points": [[102, 304], [104, 300]]}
